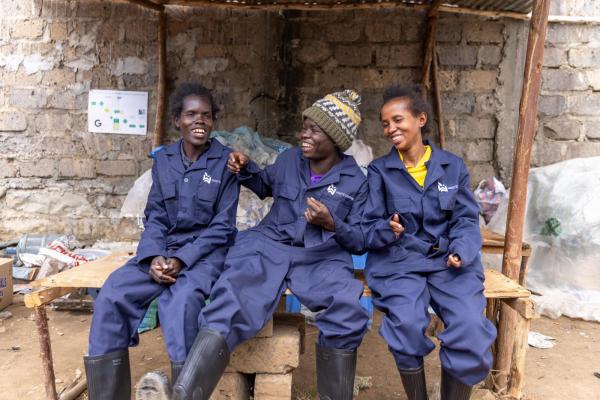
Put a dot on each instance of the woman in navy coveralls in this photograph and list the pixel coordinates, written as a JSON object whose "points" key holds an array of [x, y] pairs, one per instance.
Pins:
{"points": [[424, 240], [190, 221], [305, 244]]}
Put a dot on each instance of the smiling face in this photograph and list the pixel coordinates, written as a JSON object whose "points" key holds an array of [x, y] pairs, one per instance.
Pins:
{"points": [[400, 126], [195, 121], [315, 143]]}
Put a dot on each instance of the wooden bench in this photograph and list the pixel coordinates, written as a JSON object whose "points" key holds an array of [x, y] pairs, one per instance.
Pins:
{"points": [[498, 288]]}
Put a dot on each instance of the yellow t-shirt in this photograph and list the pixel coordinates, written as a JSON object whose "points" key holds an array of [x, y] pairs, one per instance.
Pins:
{"points": [[419, 172]]}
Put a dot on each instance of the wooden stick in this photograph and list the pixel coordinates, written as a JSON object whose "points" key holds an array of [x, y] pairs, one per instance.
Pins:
{"points": [[41, 322], [75, 391], [517, 371], [518, 193], [147, 4], [159, 127], [438, 100]]}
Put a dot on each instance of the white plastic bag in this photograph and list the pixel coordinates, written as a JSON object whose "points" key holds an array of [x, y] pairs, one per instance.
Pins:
{"points": [[135, 202]]}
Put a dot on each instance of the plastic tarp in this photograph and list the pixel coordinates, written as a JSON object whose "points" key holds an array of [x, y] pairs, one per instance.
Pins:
{"points": [[563, 226]]}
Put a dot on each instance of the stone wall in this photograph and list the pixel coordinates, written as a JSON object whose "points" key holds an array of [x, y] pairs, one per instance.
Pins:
{"points": [[265, 68]]}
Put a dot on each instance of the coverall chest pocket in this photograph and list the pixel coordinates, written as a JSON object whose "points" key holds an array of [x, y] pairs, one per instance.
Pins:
{"points": [[286, 198], [341, 207], [400, 205], [205, 206], [169, 193], [447, 200]]}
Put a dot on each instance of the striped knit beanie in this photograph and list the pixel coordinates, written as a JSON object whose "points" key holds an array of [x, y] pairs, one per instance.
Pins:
{"points": [[338, 115]]}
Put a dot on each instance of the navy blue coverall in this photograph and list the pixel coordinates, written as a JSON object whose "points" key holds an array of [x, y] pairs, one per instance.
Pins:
{"points": [[284, 251], [409, 273], [190, 215]]}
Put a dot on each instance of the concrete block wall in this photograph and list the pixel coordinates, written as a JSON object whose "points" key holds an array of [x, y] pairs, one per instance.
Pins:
{"points": [[265, 68]]}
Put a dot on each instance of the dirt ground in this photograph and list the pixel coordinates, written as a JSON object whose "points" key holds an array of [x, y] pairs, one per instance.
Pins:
{"points": [[563, 372]]}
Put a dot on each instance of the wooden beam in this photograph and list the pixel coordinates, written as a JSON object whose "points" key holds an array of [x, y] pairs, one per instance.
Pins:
{"points": [[159, 125], [484, 13], [41, 322], [429, 44], [46, 295], [300, 5], [523, 306], [518, 191], [147, 4]]}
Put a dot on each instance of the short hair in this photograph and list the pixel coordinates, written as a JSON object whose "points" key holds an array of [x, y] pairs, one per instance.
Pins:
{"points": [[190, 89], [414, 94]]}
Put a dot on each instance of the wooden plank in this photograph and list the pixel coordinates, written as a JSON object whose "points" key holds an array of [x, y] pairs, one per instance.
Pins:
{"points": [[511, 261], [45, 295], [92, 274], [524, 306], [147, 4], [498, 286]]}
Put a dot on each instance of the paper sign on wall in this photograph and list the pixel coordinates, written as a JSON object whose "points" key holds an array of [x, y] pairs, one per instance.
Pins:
{"points": [[116, 111]]}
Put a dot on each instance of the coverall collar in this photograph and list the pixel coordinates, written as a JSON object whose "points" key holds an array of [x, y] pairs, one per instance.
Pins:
{"points": [[215, 150], [347, 166]]}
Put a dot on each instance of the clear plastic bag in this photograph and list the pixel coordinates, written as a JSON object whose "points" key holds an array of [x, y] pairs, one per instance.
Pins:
{"points": [[563, 226]]}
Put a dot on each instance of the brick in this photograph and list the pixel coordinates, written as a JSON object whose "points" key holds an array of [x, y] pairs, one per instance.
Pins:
{"points": [[387, 31], [29, 29], [489, 55], [476, 127], [273, 387], [29, 98], [13, 122], [91, 9], [593, 78], [484, 32], [313, 52], [487, 104], [59, 77], [43, 168], [266, 331], [584, 57], [73, 168], [278, 354], [8, 169], [399, 55], [584, 104], [66, 100], [353, 55], [458, 103], [478, 80], [545, 153], [555, 57], [18, 9], [479, 172], [563, 34], [551, 106], [465, 56], [562, 129], [592, 128], [115, 168], [349, 32], [480, 151], [58, 31], [232, 386], [448, 80], [563, 80], [53, 122], [582, 149], [449, 32]]}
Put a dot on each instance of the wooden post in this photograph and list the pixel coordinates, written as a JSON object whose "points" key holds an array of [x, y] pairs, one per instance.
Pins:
{"points": [[159, 130], [428, 50], [518, 191], [438, 100], [41, 322]]}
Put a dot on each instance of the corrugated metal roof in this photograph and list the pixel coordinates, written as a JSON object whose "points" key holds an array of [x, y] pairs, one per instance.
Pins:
{"points": [[509, 6]]}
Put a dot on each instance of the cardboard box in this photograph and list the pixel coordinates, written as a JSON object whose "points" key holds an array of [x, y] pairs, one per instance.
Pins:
{"points": [[6, 283]]}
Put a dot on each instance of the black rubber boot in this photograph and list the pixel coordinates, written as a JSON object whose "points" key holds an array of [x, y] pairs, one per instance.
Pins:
{"points": [[108, 376], [335, 373], [175, 370], [453, 389], [203, 367], [414, 384]]}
